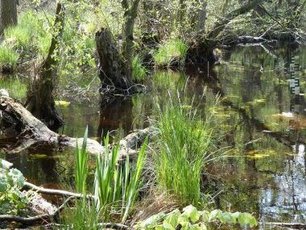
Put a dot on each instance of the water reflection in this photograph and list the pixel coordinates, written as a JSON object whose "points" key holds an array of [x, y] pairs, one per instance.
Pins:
{"points": [[288, 201]]}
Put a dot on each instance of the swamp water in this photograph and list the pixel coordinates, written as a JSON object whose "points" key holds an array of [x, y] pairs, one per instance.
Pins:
{"points": [[263, 174]]}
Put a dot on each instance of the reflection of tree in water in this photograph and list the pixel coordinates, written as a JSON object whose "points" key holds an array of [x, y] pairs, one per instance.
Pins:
{"points": [[115, 113], [288, 200]]}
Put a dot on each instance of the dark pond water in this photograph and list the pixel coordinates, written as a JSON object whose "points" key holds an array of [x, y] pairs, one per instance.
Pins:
{"points": [[263, 122]]}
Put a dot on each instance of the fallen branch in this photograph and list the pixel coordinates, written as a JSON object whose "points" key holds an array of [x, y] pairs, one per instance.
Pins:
{"points": [[59, 192]]}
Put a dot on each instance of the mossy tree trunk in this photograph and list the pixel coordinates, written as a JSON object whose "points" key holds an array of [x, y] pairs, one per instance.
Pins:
{"points": [[130, 14], [40, 97], [8, 14]]}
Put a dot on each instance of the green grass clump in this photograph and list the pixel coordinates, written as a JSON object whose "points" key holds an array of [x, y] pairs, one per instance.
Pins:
{"points": [[17, 36], [185, 138], [139, 72], [171, 50], [8, 57]]}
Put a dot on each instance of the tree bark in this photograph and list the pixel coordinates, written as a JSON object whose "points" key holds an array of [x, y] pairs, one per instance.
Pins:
{"points": [[115, 64], [114, 73], [130, 15], [8, 14], [40, 98]]}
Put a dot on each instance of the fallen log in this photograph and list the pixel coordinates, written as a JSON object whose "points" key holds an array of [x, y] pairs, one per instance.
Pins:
{"points": [[29, 132]]}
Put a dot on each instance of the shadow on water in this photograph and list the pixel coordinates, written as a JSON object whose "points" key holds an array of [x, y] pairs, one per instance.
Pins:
{"points": [[259, 118]]}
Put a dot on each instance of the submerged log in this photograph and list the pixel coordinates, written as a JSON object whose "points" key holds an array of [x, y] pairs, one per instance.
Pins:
{"points": [[29, 132]]}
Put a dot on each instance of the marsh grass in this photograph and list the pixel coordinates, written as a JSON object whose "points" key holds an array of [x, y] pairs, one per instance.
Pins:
{"points": [[183, 149], [173, 49]]}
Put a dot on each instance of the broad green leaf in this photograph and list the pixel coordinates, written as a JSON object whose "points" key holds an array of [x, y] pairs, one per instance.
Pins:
{"points": [[183, 219], [247, 219], [214, 215], [172, 218], [168, 226], [3, 185], [192, 213], [204, 216], [17, 177], [227, 218], [152, 221]]}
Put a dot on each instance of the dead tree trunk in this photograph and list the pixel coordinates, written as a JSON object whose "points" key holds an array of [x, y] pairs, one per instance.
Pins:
{"points": [[116, 65], [40, 97], [114, 74], [8, 14]]}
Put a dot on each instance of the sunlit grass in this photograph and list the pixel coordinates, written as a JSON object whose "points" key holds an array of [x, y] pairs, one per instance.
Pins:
{"points": [[183, 150], [16, 87], [170, 50], [8, 57], [17, 36], [139, 72]]}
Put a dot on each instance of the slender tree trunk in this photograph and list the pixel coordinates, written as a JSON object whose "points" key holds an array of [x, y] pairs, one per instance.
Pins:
{"points": [[40, 98], [130, 15], [8, 14]]}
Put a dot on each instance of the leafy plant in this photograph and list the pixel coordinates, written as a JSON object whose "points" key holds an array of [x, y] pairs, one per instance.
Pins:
{"points": [[191, 218], [12, 200]]}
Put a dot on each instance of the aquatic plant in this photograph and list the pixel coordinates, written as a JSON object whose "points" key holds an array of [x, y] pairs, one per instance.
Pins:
{"points": [[182, 152], [117, 183], [173, 49], [81, 166]]}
